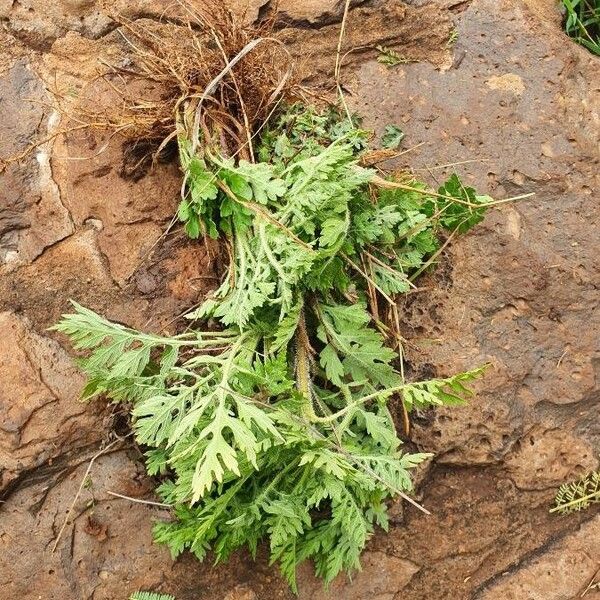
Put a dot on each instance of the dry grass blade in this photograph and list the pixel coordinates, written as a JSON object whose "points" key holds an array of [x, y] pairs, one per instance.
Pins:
{"points": [[386, 184], [138, 500]]}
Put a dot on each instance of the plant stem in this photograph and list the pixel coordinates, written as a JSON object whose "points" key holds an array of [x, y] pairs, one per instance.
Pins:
{"points": [[583, 500], [303, 380]]}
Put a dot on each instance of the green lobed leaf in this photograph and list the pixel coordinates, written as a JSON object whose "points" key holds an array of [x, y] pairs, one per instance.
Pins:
{"points": [[392, 137]]}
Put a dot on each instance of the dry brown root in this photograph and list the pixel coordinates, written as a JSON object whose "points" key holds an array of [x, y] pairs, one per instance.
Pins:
{"points": [[214, 75], [204, 70]]}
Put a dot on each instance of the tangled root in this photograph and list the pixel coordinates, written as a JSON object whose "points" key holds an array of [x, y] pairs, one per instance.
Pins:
{"points": [[206, 75]]}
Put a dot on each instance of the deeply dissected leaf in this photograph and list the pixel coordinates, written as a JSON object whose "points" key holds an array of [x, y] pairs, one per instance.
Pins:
{"points": [[578, 495], [359, 348], [392, 137], [390, 58], [150, 596], [436, 392], [260, 176], [463, 213]]}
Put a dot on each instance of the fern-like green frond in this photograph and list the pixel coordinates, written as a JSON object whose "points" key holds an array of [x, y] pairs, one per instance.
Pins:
{"points": [[150, 596], [436, 392], [578, 495]]}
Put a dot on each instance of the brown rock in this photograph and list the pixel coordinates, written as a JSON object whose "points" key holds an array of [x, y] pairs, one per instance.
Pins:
{"points": [[41, 416], [563, 571], [72, 269], [381, 578], [419, 33], [96, 529], [85, 562], [32, 216], [39, 23], [312, 12], [133, 214], [546, 458]]}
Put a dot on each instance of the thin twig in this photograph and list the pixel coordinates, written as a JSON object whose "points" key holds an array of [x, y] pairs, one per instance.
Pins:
{"points": [[386, 184], [81, 486], [455, 164], [400, 346], [366, 276], [4, 162], [591, 584], [378, 156], [138, 501], [338, 62]]}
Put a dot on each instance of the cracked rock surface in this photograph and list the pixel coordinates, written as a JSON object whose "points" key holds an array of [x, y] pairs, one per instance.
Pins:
{"points": [[514, 107]]}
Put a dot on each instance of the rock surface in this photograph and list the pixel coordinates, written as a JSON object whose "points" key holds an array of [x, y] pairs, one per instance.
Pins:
{"points": [[31, 196], [39, 23], [41, 417], [538, 578], [514, 107], [383, 575]]}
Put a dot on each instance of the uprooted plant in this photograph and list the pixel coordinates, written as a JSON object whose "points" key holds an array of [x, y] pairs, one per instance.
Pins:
{"points": [[271, 417]]}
